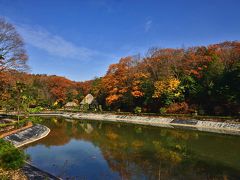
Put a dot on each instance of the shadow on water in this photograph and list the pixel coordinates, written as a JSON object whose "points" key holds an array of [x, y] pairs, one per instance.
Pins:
{"points": [[103, 150]]}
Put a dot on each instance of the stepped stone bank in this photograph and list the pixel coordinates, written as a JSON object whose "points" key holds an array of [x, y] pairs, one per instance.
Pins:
{"points": [[208, 126]]}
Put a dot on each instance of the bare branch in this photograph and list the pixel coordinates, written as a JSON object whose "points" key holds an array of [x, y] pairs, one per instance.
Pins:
{"points": [[12, 52]]}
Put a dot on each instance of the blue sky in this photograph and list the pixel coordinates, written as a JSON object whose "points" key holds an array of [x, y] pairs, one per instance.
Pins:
{"points": [[79, 39]]}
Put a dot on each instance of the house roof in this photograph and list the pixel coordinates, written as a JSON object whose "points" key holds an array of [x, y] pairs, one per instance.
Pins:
{"points": [[88, 99], [71, 104]]}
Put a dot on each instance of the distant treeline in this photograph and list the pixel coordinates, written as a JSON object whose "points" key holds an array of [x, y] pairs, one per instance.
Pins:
{"points": [[203, 80]]}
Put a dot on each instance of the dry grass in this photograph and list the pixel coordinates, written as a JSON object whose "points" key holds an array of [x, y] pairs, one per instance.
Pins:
{"points": [[12, 175]]}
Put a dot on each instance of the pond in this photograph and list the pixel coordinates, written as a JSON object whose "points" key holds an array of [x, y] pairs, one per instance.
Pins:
{"points": [[77, 149]]}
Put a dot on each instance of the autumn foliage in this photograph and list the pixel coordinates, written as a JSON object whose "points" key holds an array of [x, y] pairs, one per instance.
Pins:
{"points": [[203, 79]]}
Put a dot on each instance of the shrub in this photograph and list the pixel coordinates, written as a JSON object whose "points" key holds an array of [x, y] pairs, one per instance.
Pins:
{"points": [[137, 110], [35, 110], [162, 111], [201, 111], [178, 108], [34, 119], [85, 107], [100, 108], [10, 157], [218, 110]]}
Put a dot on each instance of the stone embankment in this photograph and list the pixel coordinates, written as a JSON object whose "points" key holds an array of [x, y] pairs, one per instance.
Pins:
{"points": [[34, 173], [208, 126], [28, 135], [9, 131]]}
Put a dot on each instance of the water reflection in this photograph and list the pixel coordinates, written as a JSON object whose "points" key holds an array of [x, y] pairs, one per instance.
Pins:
{"points": [[103, 150]]}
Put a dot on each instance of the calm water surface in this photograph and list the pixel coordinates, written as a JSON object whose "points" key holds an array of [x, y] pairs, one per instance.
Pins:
{"points": [[103, 150]]}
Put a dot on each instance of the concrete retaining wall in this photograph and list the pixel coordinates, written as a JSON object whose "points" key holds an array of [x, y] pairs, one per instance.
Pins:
{"points": [[208, 126], [28, 135]]}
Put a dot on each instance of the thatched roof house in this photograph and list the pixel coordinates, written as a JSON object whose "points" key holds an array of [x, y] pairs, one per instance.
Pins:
{"points": [[90, 101], [70, 105], [87, 100]]}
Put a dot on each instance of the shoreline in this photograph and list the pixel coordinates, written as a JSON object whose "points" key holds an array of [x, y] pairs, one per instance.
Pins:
{"points": [[36, 132], [199, 125], [27, 136], [16, 130]]}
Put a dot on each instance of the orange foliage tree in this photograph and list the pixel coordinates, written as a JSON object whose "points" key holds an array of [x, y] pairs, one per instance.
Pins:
{"points": [[123, 80]]}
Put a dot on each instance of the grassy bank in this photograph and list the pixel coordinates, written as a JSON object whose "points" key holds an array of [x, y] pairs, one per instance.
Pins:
{"points": [[11, 160], [12, 174]]}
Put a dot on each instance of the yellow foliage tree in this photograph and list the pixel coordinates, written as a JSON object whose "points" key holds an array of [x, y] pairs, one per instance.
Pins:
{"points": [[169, 85]]}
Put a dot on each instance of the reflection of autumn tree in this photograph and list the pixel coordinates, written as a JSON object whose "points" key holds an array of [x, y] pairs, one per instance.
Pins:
{"points": [[128, 153], [130, 156], [57, 135], [135, 151]]}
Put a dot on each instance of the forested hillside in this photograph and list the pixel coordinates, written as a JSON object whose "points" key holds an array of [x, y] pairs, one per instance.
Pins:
{"points": [[196, 79]]}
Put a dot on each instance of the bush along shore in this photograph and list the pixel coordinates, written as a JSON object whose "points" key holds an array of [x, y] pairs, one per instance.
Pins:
{"points": [[13, 161]]}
